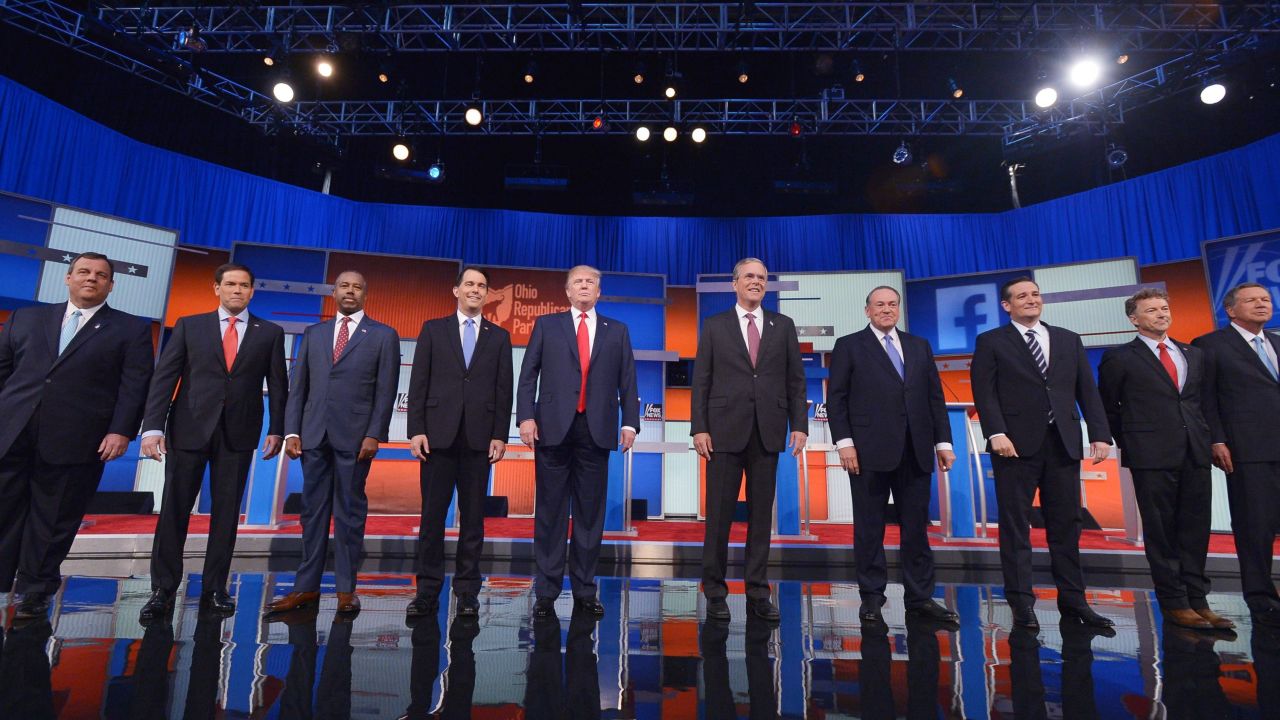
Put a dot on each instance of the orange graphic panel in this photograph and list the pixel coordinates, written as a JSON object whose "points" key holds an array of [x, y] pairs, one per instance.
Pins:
{"points": [[518, 296], [403, 292], [192, 290], [682, 321], [1188, 296], [393, 486], [513, 479]]}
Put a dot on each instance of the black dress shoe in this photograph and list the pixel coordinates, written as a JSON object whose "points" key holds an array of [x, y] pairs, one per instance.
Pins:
{"points": [[31, 606], [159, 607], [544, 608], [468, 605], [218, 602], [933, 612], [718, 609], [422, 606], [1086, 615], [870, 614], [763, 609], [1024, 616], [588, 606], [1267, 616]]}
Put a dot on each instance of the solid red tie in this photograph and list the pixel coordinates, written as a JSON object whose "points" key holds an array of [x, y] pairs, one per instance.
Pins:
{"points": [[343, 337], [1167, 361], [230, 342], [584, 358]]}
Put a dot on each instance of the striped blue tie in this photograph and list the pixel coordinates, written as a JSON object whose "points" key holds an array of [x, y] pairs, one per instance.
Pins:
{"points": [[1262, 353], [1038, 354]]}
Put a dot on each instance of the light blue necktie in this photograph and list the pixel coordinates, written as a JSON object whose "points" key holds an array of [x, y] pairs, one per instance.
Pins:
{"points": [[73, 323], [468, 341], [894, 356], [1262, 353]]}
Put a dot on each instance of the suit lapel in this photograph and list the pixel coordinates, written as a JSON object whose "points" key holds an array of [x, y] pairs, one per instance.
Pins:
{"points": [[454, 331], [485, 331], [53, 327], [873, 344], [571, 336], [213, 331], [602, 332], [354, 337], [1241, 345], [1014, 333], [1193, 366], [86, 333], [1149, 358], [734, 326]]}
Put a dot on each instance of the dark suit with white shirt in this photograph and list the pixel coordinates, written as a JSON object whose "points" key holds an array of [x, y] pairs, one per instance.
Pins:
{"points": [[215, 421], [894, 421], [1164, 441], [1242, 407], [334, 404]]}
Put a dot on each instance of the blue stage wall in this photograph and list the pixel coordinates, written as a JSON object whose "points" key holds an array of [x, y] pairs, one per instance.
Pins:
{"points": [[52, 153]]}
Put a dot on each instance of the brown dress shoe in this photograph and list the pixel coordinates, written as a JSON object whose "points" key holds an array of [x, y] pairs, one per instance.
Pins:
{"points": [[348, 602], [1216, 620], [293, 601], [1187, 618]]}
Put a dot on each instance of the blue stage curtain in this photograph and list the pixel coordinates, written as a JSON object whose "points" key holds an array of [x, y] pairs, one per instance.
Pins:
{"points": [[52, 153]]}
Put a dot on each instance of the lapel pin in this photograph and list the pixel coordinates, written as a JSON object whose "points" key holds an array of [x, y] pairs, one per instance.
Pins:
{"points": [[363, 330], [96, 326], [770, 323]]}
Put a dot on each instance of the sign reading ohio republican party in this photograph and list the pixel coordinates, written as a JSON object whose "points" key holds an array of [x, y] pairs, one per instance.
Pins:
{"points": [[1253, 258], [517, 297]]}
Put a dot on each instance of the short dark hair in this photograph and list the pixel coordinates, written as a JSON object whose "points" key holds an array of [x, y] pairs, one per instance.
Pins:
{"points": [[1004, 289], [225, 268], [462, 273], [93, 256], [1147, 293], [1229, 300], [878, 288]]}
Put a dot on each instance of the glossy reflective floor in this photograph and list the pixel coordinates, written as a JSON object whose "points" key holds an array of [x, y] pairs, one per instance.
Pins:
{"points": [[650, 657]]}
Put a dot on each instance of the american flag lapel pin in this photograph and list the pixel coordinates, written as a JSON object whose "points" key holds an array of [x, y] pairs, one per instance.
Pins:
{"points": [[97, 325], [363, 330]]}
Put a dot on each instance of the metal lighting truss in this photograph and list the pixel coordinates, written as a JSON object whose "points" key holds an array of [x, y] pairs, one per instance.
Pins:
{"points": [[692, 26]]}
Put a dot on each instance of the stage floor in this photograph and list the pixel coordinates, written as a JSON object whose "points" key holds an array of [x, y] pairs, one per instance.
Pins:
{"points": [[651, 656]]}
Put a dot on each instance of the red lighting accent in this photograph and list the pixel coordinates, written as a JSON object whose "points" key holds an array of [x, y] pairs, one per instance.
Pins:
{"points": [[795, 129], [597, 123]]}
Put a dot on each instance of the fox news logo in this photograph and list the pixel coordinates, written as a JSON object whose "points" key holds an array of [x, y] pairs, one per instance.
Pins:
{"points": [[964, 312], [653, 411], [1255, 262]]}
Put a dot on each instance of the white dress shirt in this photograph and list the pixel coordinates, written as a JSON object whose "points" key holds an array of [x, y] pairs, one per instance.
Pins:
{"points": [[758, 319], [242, 319], [462, 326], [86, 314], [1175, 353], [1248, 337], [897, 343], [356, 317]]}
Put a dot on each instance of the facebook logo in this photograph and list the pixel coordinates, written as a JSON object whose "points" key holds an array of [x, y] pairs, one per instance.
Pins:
{"points": [[964, 311]]}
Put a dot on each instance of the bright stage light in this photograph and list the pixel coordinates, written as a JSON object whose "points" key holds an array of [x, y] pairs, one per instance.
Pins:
{"points": [[324, 68], [1117, 156], [473, 116], [1046, 97], [268, 60], [383, 77], [698, 135], [436, 171], [283, 92], [669, 134], [400, 151], [1085, 73], [670, 92], [902, 155], [642, 134], [957, 92], [1212, 94]]}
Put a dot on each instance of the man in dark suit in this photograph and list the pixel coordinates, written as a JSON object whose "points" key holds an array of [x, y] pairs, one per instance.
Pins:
{"points": [[73, 380], [583, 369], [217, 362], [1241, 405], [748, 386], [340, 404], [1028, 379], [1151, 390], [459, 415], [889, 418]]}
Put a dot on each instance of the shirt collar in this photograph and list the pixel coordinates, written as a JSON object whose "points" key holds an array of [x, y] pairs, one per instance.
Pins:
{"points": [[893, 333], [463, 317], [1168, 342], [356, 317], [1022, 329], [242, 317], [742, 312], [84, 312], [576, 314], [1249, 335]]}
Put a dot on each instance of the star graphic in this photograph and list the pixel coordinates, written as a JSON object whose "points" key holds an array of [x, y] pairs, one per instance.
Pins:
{"points": [[133, 270], [66, 257], [262, 285], [286, 286], [311, 288]]}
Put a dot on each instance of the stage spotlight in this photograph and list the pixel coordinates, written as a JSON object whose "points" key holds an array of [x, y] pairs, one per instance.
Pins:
{"points": [[1213, 93], [400, 151], [1117, 156], [670, 134], [637, 76], [1046, 97], [283, 92], [473, 116], [957, 92], [530, 69], [796, 129], [858, 74], [268, 60], [902, 155], [1122, 58], [670, 92], [435, 173], [698, 135], [324, 68], [384, 78], [743, 77], [597, 123], [642, 134], [1085, 73]]}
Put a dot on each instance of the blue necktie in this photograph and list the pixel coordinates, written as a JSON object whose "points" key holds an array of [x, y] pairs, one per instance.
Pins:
{"points": [[1262, 353], [468, 341], [894, 356], [73, 323]]}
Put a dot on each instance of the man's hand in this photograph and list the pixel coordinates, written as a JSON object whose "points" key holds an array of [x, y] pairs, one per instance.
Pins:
{"points": [[1099, 451], [497, 449], [152, 447], [1003, 447], [529, 432], [293, 447], [946, 460], [112, 447], [628, 439], [702, 445], [271, 446], [419, 447], [797, 441], [849, 460], [368, 448], [1222, 457]]}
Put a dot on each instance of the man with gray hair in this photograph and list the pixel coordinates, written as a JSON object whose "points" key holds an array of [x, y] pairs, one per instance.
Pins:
{"points": [[578, 371]]}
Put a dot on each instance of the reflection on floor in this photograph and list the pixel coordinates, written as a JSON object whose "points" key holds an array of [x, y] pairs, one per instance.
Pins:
{"points": [[650, 657]]}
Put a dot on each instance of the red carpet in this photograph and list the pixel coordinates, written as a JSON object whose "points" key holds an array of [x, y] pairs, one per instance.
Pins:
{"points": [[665, 531]]}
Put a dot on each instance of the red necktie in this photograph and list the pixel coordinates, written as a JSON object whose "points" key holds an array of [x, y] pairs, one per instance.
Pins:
{"points": [[584, 358], [1167, 361], [230, 342], [753, 338], [343, 336]]}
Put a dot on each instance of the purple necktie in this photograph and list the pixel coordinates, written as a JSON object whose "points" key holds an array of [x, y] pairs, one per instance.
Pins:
{"points": [[753, 339]]}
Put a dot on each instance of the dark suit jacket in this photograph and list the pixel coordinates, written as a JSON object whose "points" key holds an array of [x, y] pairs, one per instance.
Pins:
{"points": [[349, 400], [729, 395], [1012, 398], [443, 390], [1155, 424], [98, 386], [1241, 400], [209, 392], [868, 402], [551, 364]]}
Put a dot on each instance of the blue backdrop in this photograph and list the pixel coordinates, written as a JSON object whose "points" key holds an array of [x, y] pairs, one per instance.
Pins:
{"points": [[52, 153]]}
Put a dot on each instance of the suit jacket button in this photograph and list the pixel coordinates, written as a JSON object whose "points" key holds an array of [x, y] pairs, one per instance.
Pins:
{"points": [[755, 375], [47, 382]]}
